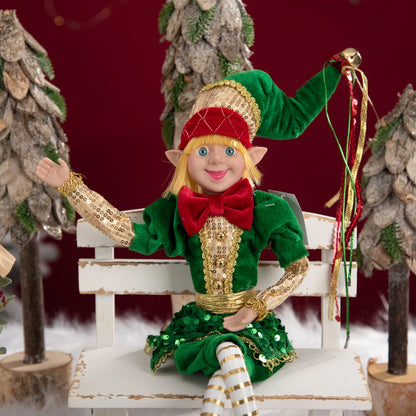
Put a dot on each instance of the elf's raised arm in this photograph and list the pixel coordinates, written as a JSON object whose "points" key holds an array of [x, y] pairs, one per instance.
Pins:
{"points": [[89, 204], [270, 113]]}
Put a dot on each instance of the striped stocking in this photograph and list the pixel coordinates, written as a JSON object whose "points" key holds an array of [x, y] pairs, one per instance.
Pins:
{"points": [[231, 379], [215, 396]]}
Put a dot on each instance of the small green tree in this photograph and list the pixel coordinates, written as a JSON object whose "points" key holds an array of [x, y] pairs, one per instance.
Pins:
{"points": [[387, 240], [30, 107], [210, 39]]}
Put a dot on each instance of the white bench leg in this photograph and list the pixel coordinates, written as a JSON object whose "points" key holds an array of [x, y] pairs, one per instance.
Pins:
{"points": [[109, 412], [326, 412]]}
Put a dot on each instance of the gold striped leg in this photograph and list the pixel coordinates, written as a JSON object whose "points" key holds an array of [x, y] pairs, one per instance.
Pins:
{"points": [[237, 379], [215, 396]]}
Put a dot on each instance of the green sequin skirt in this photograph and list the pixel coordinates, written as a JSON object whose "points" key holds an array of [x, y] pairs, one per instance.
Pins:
{"points": [[194, 334]]}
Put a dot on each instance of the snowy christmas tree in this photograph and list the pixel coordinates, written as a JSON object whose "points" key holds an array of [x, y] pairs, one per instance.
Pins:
{"points": [[388, 238], [210, 39], [30, 107]]}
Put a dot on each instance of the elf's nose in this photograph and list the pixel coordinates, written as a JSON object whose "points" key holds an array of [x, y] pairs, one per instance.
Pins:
{"points": [[216, 155]]}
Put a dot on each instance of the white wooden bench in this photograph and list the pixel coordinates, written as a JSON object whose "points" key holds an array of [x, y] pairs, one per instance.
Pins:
{"points": [[110, 379]]}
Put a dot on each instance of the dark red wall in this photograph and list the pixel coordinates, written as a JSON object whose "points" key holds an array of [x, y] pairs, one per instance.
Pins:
{"points": [[109, 74]]}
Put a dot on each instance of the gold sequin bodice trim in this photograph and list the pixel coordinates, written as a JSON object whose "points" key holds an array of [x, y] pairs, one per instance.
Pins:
{"points": [[219, 243]]}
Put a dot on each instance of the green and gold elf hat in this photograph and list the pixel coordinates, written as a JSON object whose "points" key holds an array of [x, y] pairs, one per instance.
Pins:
{"points": [[249, 104]]}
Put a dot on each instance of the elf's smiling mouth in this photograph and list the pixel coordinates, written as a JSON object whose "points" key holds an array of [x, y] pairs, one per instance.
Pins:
{"points": [[217, 175]]}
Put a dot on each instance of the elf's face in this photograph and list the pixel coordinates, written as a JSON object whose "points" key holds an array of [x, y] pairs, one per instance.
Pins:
{"points": [[216, 167]]}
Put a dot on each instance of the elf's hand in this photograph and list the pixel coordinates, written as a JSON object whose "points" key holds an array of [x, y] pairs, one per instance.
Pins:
{"points": [[52, 173], [239, 320]]}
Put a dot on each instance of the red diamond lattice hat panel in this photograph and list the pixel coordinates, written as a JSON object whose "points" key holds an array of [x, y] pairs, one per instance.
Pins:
{"points": [[216, 120]]}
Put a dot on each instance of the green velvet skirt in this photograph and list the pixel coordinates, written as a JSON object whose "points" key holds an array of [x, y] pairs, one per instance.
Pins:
{"points": [[194, 334]]}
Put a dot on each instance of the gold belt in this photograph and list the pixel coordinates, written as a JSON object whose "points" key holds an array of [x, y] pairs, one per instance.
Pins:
{"points": [[228, 303]]}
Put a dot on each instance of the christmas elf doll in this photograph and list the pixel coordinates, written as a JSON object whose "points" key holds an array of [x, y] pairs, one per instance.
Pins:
{"points": [[211, 216]]}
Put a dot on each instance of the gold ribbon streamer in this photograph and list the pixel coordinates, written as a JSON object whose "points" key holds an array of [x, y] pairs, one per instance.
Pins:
{"points": [[350, 190]]}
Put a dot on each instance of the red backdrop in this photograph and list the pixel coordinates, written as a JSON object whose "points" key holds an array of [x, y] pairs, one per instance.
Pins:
{"points": [[109, 73]]}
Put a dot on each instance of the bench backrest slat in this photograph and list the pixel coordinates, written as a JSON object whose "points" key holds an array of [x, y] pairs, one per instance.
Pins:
{"points": [[172, 277], [318, 227]]}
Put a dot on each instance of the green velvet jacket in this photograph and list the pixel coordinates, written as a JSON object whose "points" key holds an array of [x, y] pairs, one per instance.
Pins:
{"points": [[274, 225], [193, 334]]}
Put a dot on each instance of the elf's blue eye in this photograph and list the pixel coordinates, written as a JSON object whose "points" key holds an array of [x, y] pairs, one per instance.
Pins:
{"points": [[202, 151], [230, 151]]}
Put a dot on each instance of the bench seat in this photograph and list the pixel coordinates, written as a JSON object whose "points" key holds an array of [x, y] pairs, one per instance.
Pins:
{"points": [[120, 376]]}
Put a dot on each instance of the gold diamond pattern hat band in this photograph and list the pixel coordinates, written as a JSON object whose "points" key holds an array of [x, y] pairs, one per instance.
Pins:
{"points": [[233, 95]]}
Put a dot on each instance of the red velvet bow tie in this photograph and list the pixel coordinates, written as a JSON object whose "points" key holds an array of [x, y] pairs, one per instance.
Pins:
{"points": [[235, 204]]}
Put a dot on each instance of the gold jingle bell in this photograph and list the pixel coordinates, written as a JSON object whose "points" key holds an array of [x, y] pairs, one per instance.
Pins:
{"points": [[352, 56]]}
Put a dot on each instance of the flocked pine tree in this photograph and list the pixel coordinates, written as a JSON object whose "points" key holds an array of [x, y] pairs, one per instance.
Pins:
{"points": [[210, 39], [29, 130], [388, 238]]}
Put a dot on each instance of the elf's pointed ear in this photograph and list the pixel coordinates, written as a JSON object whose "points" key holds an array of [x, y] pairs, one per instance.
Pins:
{"points": [[173, 156], [256, 153]]}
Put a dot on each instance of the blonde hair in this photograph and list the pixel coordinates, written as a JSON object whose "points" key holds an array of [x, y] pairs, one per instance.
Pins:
{"points": [[181, 176]]}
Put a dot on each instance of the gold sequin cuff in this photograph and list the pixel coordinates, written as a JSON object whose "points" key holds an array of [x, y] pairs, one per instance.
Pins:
{"points": [[71, 184], [258, 306], [102, 215]]}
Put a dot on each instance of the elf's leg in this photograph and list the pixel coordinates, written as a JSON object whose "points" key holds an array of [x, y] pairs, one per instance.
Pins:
{"points": [[215, 396], [236, 379]]}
